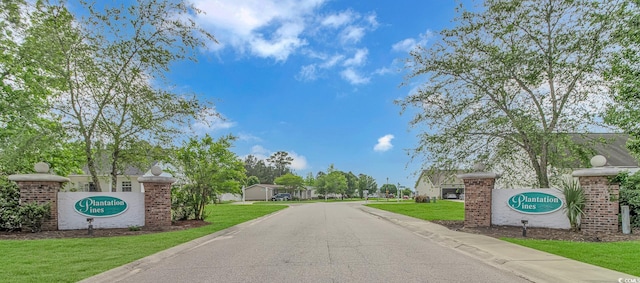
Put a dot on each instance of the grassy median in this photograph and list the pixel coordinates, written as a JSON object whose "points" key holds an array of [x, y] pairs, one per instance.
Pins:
{"points": [[70, 260]]}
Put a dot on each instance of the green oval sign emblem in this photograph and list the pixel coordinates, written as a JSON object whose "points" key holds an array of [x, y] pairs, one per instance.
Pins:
{"points": [[535, 203], [101, 206]]}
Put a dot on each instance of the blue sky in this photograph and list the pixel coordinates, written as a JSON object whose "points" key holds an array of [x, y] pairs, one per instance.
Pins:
{"points": [[315, 78]]}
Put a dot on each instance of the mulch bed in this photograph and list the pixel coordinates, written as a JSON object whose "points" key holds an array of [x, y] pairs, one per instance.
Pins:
{"points": [[494, 231], [27, 235], [538, 233]]}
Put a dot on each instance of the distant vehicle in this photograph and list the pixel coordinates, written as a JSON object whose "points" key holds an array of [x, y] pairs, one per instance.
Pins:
{"points": [[451, 196], [281, 196]]}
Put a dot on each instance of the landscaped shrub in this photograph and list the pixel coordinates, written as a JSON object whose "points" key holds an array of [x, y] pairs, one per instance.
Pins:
{"points": [[9, 205], [422, 199], [630, 195], [182, 204], [575, 200], [33, 215]]}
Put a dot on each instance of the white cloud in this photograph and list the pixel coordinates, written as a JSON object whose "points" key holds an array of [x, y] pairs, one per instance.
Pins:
{"points": [[408, 44], [353, 77], [339, 19], [384, 143], [332, 61], [243, 24], [358, 59], [299, 162], [383, 71], [248, 137], [307, 73], [352, 34]]}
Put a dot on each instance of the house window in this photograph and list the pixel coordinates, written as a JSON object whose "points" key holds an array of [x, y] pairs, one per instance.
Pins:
{"points": [[90, 187], [126, 186]]}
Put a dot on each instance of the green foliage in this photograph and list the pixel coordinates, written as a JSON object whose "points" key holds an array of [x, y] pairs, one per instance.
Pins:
{"points": [[333, 183], [252, 180], [630, 195], [625, 75], [506, 79], [266, 174], [575, 201], [366, 182], [281, 161], [33, 215], [183, 206], [134, 228], [9, 205], [290, 182], [210, 169], [389, 189]]}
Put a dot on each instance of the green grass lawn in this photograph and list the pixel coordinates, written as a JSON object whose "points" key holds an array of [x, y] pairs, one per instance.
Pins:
{"points": [[70, 260], [619, 256], [441, 210]]}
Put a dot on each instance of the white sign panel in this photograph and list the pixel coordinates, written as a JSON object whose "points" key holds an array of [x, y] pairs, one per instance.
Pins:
{"points": [[108, 210], [502, 214]]}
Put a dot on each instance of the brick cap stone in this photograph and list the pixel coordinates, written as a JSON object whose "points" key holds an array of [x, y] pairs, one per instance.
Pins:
{"points": [[479, 175], [38, 178], [602, 171], [156, 179]]}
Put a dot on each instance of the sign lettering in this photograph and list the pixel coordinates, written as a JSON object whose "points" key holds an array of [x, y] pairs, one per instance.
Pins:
{"points": [[534, 203], [100, 206]]}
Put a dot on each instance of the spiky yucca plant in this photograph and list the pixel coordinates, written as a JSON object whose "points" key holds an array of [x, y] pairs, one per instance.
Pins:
{"points": [[575, 199]]}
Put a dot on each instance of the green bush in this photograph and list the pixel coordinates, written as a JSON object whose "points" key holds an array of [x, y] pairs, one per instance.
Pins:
{"points": [[33, 215], [630, 195], [9, 205], [182, 204], [422, 199]]}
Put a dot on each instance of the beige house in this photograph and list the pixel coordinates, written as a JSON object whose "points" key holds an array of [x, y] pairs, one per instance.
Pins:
{"points": [[441, 184], [264, 192], [261, 191], [126, 182]]}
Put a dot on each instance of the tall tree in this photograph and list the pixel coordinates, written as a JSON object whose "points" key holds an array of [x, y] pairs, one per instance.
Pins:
{"points": [[281, 161], [509, 80], [259, 168], [309, 180], [368, 183], [29, 131], [290, 181], [625, 73], [210, 168], [103, 68]]}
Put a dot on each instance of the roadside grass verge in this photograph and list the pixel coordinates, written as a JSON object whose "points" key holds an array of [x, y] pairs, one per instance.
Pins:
{"points": [[619, 256], [71, 260], [441, 210]]}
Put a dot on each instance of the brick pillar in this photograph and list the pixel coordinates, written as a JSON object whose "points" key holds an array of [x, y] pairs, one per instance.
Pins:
{"points": [[601, 205], [41, 188], [601, 198], [477, 197], [157, 199]]}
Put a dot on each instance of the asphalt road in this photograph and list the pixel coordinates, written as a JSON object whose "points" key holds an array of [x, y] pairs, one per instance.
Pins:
{"points": [[320, 242]]}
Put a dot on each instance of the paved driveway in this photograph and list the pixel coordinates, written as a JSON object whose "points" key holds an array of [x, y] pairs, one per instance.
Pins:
{"points": [[319, 242]]}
